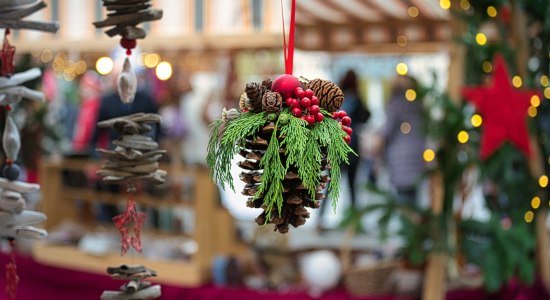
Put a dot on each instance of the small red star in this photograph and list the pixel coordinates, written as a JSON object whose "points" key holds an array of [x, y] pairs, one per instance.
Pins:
{"points": [[504, 111], [6, 58], [129, 224]]}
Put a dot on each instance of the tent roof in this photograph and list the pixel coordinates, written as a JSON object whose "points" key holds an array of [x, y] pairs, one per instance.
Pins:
{"points": [[371, 25]]}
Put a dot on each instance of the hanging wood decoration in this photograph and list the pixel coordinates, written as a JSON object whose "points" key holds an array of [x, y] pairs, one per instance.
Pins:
{"points": [[292, 138], [135, 156], [15, 221], [124, 17]]}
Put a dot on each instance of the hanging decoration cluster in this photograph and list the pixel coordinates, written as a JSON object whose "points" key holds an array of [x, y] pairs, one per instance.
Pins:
{"points": [[292, 149], [15, 221], [124, 17], [135, 156]]}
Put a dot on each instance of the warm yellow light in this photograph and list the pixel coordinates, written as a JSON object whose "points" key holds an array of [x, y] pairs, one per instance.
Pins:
{"points": [[487, 67], [405, 127], [80, 67], [543, 181], [164, 70], [464, 4], [151, 60], [402, 69], [516, 81], [413, 11], [547, 93], [476, 120], [104, 65], [402, 41], [529, 216], [69, 76], [535, 202], [481, 39], [544, 80], [535, 101], [445, 4], [428, 155], [491, 11], [532, 111], [46, 55], [463, 137], [410, 95]]}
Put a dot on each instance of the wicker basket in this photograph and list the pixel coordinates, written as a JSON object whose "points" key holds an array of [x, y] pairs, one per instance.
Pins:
{"points": [[366, 281]]}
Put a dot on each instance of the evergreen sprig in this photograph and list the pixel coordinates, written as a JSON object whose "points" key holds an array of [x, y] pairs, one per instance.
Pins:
{"points": [[223, 145], [271, 187]]}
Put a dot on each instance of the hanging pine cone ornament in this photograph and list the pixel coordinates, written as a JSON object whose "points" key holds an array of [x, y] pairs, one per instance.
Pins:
{"points": [[291, 151], [330, 96]]}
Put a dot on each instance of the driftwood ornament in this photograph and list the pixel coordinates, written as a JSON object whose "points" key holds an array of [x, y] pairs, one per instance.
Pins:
{"points": [[136, 288], [136, 155], [12, 13], [125, 15]]}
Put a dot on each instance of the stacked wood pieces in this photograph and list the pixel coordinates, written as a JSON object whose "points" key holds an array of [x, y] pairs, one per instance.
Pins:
{"points": [[136, 156], [125, 15], [136, 288], [12, 91], [12, 13]]}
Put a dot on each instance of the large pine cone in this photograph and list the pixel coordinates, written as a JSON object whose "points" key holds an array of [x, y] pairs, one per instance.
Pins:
{"points": [[272, 101], [330, 95], [295, 194], [255, 92]]}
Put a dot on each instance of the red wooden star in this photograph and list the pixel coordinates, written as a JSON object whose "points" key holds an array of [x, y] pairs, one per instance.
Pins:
{"points": [[6, 58], [504, 111], [129, 224]]}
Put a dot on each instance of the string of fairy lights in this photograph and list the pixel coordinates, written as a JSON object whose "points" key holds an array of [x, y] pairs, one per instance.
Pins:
{"points": [[476, 120]]}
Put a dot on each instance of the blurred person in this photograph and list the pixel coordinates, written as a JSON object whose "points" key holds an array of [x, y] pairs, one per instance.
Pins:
{"points": [[403, 140], [359, 114], [90, 93]]}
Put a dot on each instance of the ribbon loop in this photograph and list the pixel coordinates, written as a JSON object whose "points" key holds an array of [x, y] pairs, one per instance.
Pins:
{"points": [[288, 51]]}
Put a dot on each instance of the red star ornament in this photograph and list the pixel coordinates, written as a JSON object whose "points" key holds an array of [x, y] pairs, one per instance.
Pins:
{"points": [[129, 224], [7, 67], [504, 111]]}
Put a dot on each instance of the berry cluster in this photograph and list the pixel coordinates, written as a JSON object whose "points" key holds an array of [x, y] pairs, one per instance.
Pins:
{"points": [[305, 106], [345, 121]]}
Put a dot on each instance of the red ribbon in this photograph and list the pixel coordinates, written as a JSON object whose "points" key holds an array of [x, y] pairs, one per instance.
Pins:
{"points": [[289, 51]]}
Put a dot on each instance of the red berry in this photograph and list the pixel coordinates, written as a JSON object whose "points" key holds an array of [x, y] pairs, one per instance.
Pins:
{"points": [[314, 100], [299, 93], [310, 119], [347, 129], [346, 121], [295, 103], [342, 113], [288, 102], [305, 102], [319, 117], [347, 139], [296, 112], [314, 109], [309, 93]]}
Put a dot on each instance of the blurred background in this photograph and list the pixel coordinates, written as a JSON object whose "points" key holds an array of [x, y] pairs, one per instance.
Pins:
{"points": [[421, 214]]}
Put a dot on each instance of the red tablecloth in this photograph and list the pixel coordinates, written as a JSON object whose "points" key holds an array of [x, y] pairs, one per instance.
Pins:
{"points": [[40, 282]]}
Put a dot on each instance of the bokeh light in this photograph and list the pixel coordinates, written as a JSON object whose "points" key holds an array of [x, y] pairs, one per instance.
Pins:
{"points": [[402, 69], [476, 120], [463, 137], [428, 155], [104, 65], [481, 39], [164, 70]]}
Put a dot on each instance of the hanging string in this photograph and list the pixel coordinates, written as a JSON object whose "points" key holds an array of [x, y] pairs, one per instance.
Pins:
{"points": [[289, 51]]}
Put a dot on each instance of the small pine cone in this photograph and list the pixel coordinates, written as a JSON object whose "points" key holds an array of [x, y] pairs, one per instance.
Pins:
{"points": [[254, 92], [243, 102], [330, 95], [266, 85], [271, 102]]}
